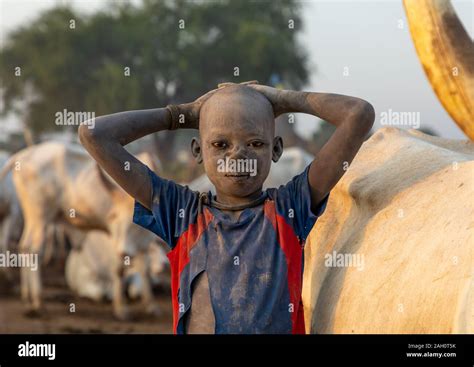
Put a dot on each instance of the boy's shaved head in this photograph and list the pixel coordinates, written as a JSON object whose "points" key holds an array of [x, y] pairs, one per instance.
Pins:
{"points": [[237, 124], [237, 102]]}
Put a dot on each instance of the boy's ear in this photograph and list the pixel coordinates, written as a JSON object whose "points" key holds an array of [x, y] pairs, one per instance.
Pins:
{"points": [[277, 150], [196, 149]]}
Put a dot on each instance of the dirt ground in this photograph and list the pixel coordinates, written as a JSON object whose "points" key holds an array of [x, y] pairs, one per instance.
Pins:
{"points": [[89, 316]]}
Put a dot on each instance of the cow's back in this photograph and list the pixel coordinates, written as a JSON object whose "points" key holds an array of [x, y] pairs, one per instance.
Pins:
{"points": [[405, 207]]}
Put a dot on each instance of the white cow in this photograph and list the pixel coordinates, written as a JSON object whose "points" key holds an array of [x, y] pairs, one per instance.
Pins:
{"points": [[394, 250], [90, 269], [59, 183]]}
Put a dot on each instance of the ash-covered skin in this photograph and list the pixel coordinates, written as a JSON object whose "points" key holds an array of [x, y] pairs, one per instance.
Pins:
{"points": [[237, 122]]}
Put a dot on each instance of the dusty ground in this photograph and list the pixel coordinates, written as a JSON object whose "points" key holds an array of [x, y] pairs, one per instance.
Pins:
{"points": [[89, 317]]}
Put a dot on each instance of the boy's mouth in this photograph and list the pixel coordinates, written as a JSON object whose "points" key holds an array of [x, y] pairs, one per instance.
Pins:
{"points": [[237, 176]]}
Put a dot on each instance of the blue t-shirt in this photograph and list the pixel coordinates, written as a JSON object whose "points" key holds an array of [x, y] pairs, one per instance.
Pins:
{"points": [[254, 264]]}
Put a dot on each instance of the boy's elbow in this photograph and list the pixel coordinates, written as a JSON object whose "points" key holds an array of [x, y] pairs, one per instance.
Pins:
{"points": [[366, 116], [87, 135]]}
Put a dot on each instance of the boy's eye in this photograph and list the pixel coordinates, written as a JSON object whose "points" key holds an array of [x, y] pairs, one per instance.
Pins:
{"points": [[219, 144], [256, 144]]}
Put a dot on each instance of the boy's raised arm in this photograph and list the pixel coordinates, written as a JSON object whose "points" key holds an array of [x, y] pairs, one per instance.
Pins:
{"points": [[353, 118], [105, 142], [110, 133]]}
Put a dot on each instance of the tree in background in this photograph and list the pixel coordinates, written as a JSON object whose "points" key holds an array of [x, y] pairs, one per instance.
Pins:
{"points": [[144, 56]]}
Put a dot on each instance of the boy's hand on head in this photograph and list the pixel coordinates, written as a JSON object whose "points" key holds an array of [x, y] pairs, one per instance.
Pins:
{"points": [[186, 115], [275, 96]]}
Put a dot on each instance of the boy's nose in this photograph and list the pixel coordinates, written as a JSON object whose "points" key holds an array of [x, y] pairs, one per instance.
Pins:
{"points": [[238, 152]]}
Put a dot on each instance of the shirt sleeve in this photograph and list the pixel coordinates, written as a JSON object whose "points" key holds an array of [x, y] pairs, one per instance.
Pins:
{"points": [[174, 208], [293, 201]]}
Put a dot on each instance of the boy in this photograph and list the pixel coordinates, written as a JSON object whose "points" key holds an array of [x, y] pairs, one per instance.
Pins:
{"points": [[236, 257]]}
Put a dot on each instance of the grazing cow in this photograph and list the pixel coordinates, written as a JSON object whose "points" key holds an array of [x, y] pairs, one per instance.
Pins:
{"points": [[89, 269], [11, 223], [394, 251], [59, 183]]}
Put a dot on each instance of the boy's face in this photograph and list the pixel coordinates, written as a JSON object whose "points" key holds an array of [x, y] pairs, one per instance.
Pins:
{"points": [[237, 142]]}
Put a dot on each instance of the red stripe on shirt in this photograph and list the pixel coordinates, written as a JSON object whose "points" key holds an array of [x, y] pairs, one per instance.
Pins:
{"points": [[179, 257], [290, 245]]}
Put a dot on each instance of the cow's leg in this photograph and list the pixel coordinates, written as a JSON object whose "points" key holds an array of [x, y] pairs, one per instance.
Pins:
{"points": [[49, 244], [37, 244], [11, 234], [119, 287], [147, 294], [5, 245], [24, 248], [24, 285], [16, 227], [5, 234], [35, 288], [61, 242]]}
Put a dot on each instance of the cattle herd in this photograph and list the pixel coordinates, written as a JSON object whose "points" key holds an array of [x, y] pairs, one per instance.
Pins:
{"points": [[55, 201]]}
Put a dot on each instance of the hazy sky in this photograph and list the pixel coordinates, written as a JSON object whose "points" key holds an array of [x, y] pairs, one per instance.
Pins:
{"points": [[362, 36]]}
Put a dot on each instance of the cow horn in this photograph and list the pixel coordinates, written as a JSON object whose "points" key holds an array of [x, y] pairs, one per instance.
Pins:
{"points": [[447, 54]]}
